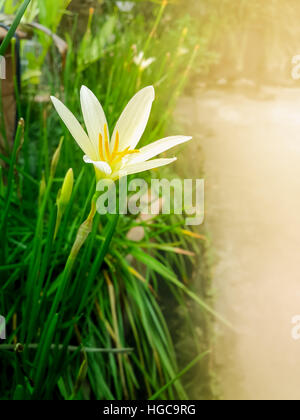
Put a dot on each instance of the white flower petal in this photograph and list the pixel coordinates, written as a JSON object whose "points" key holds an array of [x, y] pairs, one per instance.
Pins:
{"points": [[143, 166], [74, 127], [134, 119], [102, 166], [125, 6], [156, 148], [94, 116], [146, 63], [138, 59]]}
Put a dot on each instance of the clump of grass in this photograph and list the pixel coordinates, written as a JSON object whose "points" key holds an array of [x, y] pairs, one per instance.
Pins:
{"points": [[91, 327]]}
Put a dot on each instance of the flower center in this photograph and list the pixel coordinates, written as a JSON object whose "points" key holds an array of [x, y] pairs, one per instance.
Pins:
{"points": [[115, 156]]}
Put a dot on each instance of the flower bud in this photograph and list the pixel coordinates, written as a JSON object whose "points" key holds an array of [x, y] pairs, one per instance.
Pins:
{"points": [[83, 232], [55, 158], [67, 189], [63, 198], [42, 189]]}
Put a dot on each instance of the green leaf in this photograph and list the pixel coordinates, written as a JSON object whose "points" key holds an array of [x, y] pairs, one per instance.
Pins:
{"points": [[184, 371], [13, 27], [155, 265]]}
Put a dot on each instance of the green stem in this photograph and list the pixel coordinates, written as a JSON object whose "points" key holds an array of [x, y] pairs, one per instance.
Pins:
{"points": [[58, 222], [15, 81], [108, 235], [13, 27], [8, 196], [83, 232], [184, 371], [82, 235], [9, 347], [177, 92], [156, 24], [52, 321]]}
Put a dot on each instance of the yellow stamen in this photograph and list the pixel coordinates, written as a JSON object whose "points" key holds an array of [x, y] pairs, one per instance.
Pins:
{"points": [[132, 152], [126, 152], [116, 147], [117, 160], [106, 143], [101, 147], [113, 157]]}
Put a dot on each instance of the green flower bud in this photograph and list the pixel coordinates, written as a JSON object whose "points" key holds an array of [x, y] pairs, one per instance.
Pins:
{"points": [[63, 198], [67, 189], [55, 158]]}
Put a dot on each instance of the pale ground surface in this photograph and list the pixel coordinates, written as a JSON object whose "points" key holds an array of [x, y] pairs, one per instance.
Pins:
{"points": [[251, 149]]}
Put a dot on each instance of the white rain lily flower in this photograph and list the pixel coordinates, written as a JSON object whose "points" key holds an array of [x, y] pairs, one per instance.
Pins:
{"points": [[117, 157], [183, 51], [143, 63], [125, 6]]}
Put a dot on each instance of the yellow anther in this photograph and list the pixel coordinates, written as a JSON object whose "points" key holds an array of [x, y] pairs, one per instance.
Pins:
{"points": [[116, 147], [113, 157], [106, 143], [101, 147], [126, 152], [132, 152]]}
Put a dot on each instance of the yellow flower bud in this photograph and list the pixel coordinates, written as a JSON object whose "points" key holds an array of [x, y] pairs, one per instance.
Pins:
{"points": [[67, 188], [185, 31]]}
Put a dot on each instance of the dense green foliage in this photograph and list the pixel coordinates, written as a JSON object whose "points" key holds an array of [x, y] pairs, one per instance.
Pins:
{"points": [[95, 328]]}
